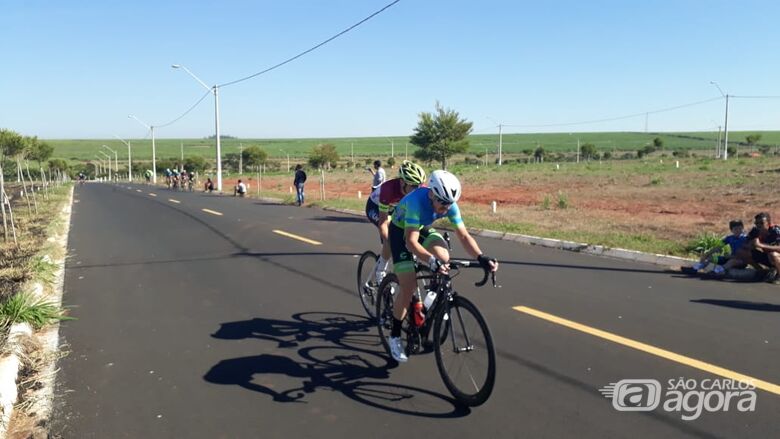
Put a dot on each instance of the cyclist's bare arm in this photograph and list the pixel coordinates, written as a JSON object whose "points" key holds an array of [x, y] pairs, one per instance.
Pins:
{"points": [[470, 245], [384, 225]]}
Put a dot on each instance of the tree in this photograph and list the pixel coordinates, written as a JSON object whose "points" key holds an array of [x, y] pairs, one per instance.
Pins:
{"points": [[38, 151], [323, 156], [440, 136], [195, 164], [658, 143], [588, 151], [539, 154], [11, 144], [254, 156], [58, 164], [752, 139]]}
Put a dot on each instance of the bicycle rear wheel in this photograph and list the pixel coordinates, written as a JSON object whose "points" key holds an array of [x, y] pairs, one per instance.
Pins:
{"points": [[366, 282], [464, 350]]}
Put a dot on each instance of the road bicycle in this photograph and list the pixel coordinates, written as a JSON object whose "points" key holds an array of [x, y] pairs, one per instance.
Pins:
{"points": [[453, 328]]}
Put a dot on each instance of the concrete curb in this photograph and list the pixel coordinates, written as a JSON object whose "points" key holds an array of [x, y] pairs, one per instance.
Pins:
{"points": [[10, 365], [577, 247]]}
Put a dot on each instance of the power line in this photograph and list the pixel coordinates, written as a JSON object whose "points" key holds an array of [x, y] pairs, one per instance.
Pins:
{"points": [[313, 48], [756, 97], [611, 119], [186, 112]]}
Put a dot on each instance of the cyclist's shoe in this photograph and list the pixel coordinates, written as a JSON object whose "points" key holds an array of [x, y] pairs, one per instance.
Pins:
{"points": [[396, 350]]}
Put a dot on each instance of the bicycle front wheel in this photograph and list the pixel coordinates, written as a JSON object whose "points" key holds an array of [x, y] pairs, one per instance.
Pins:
{"points": [[367, 288], [464, 352]]}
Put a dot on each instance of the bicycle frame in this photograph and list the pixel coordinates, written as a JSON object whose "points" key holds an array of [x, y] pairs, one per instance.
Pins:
{"points": [[444, 295]]}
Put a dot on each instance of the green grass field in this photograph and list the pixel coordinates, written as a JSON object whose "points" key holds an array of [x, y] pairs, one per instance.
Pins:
{"points": [[380, 147]]}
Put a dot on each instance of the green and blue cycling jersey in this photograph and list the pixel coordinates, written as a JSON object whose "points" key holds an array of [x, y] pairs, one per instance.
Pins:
{"points": [[415, 211]]}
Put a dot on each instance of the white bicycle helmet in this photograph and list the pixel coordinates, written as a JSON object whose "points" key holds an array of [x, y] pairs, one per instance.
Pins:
{"points": [[445, 186]]}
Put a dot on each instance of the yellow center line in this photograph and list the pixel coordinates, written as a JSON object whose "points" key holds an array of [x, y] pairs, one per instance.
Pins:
{"points": [[153, 195], [213, 212], [174, 201], [299, 238], [688, 361]]}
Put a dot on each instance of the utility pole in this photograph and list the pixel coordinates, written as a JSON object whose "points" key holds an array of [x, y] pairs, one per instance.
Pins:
{"points": [[500, 144], [646, 115], [578, 149], [240, 159], [717, 148], [181, 145], [726, 132]]}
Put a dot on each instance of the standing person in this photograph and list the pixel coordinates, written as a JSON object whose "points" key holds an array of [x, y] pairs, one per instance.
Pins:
{"points": [[300, 179], [379, 174]]}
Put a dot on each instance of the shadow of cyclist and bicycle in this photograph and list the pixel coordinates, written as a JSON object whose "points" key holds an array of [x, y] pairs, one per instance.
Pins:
{"points": [[346, 357]]}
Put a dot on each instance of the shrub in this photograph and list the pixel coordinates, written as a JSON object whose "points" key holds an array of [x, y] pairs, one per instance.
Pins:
{"points": [[563, 200]]}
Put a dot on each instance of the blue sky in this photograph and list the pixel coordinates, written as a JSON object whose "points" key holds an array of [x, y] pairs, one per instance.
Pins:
{"points": [[76, 69]]}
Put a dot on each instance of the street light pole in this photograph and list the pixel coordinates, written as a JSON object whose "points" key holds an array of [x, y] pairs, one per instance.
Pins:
{"points": [[215, 91], [725, 123], [102, 167], [154, 148], [116, 161], [109, 164], [129, 160]]}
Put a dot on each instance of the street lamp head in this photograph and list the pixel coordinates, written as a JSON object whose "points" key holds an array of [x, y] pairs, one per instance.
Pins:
{"points": [[175, 66]]}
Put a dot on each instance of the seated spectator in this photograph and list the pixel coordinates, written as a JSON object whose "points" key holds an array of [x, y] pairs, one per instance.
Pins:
{"points": [[763, 241], [209, 186], [239, 189], [736, 241]]}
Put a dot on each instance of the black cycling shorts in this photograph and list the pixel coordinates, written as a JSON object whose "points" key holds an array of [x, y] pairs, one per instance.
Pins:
{"points": [[403, 259]]}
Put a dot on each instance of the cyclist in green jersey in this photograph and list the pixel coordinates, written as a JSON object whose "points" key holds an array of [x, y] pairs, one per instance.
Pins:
{"points": [[410, 235]]}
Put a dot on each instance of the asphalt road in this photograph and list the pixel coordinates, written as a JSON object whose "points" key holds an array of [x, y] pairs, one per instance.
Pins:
{"points": [[208, 324]]}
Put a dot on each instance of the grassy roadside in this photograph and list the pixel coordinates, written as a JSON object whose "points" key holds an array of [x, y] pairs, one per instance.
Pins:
{"points": [[28, 294]]}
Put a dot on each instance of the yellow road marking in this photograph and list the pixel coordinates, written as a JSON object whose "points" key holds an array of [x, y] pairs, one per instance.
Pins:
{"points": [[299, 238], [153, 195], [213, 212], [688, 361], [174, 201]]}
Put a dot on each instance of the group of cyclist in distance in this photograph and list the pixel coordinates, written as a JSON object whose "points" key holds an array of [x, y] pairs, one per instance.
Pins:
{"points": [[176, 179], [403, 209]]}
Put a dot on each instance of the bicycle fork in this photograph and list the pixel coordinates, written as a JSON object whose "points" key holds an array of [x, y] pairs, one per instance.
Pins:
{"points": [[469, 346]]}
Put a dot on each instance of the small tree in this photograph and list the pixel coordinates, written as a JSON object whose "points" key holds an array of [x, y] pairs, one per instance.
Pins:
{"points": [[58, 165], [752, 139], [440, 136], [658, 143], [11, 144], [195, 164], [323, 156], [254, 156], [539, 154], [588, 151]]}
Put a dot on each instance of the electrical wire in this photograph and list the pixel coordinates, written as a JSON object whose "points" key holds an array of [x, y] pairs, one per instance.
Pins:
{"points": [[311, 49], [186, 112], [630, 116]]}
